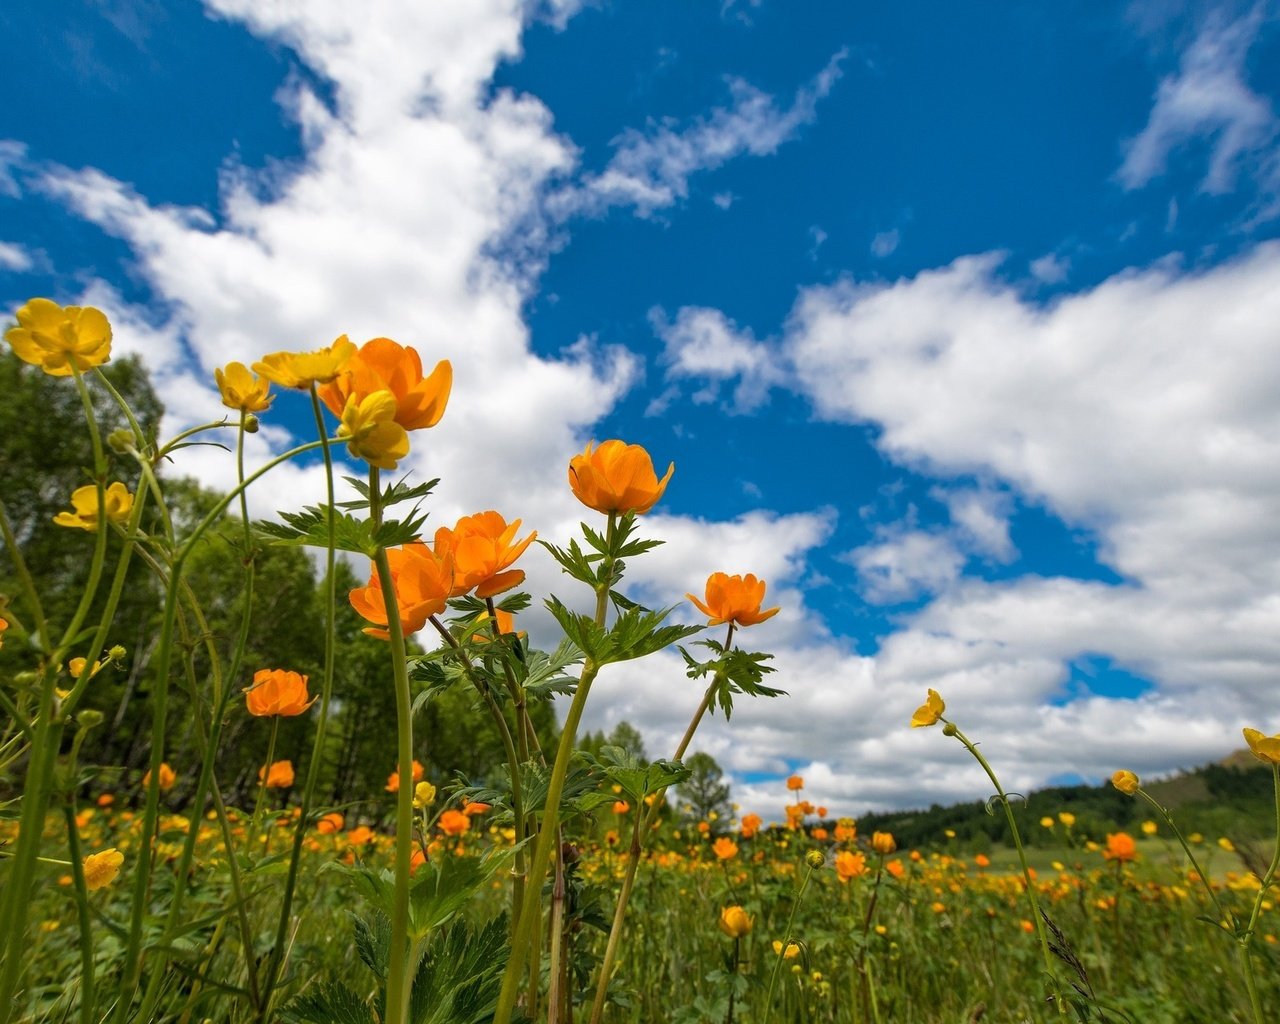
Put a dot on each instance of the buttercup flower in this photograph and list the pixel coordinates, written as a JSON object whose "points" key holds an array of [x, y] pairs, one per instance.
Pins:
{"points": [[929, 712], [278, 776], [167, 777], [84, 501], [1150, 828], [241, 390], [302, 369], [384, 365], [1264, 748], [617, 477], [482, 547], [371, 431], [1120, 847], [1126, 782], [276, 691], [735, 599], [424, 795], [100, 869], [735, 922], [422, 583], [56, 338], [793, 950], [883, 843]]}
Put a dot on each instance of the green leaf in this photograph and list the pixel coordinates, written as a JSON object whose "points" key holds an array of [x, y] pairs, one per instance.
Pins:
{"points": [[443, 886], [330, 1003], [392, 495]]}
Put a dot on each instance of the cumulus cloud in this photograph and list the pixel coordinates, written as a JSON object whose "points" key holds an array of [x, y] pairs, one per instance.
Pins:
{"points": [[14, 257], [650, 169], [705, 344], [1209, 98]]}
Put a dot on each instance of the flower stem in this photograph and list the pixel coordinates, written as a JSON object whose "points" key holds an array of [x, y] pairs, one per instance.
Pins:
{"points": [[786, 941]]}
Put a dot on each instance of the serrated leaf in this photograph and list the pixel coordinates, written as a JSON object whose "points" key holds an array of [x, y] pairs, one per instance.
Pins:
{"points": [[330, 1003]]}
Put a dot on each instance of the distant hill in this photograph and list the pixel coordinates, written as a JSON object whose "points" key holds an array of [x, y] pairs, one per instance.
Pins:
{"points": [[1233, 797]]}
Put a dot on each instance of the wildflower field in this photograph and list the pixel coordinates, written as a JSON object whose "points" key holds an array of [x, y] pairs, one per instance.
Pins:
{"points": [[195, 826]]}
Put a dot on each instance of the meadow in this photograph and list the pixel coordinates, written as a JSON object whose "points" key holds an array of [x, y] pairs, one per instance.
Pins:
{"points": [[198, 824]]}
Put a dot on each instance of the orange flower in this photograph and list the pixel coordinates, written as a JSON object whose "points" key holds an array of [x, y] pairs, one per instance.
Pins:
{"points": [[276, 691], [482, 547], [846, 830], [167, 777], [896, 868], [385, 365], [883, 843], [621, 807], [850, 865], [725, 848], [106, 800], [982, 860], [4, 624], [751, 825], [476, 807], [454, 823], [795, 783], [1120, 847], [393, 780], [331, 823], [422, 583], [617, 477], [278, 776], [361, 835], [302, 369], [735, 599]]}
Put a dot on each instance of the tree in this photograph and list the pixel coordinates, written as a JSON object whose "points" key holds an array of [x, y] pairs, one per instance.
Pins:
{"points": [[705, 793]]}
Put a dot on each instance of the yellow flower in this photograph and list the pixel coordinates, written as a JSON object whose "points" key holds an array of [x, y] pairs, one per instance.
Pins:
{"points": [[241, 390], [735, 922], [302, 369], [1067, 818], [382, 364], [424, 795], [791, 953], [1149, 828], [1226, 844], [1047, 822], [371, 430], [1265, 748], [1126, 782], [84, 500], [735, 599], [850, 865], [57, 338], [929, 712], [101, 868], [617, 477]]}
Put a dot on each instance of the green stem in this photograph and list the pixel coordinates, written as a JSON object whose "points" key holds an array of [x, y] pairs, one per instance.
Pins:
{"points": [[263, 776], [87, 994], [276, 961], [1245, 941], [1028, 881], [786, 941], [1223, 917]]}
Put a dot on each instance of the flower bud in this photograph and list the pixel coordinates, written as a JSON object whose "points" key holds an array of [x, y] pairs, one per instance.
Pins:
{"points": [[251, 424], [90, 718], [815, 858], [948, 729], [1126, 781], [122, 441], [117, 654]]}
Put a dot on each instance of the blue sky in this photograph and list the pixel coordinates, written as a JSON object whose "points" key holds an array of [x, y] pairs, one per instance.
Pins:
{"points": [[958, 321]]}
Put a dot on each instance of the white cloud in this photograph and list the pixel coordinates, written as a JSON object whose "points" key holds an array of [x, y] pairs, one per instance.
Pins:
{"points": [[14, 257], [1050, 268], [981, 519], [705, 344], [1209, 98], [903, 564], [651, 169], [885, 243]]}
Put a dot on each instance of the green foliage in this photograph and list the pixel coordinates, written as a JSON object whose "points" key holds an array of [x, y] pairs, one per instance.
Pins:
{"points": [[704, 791]]}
